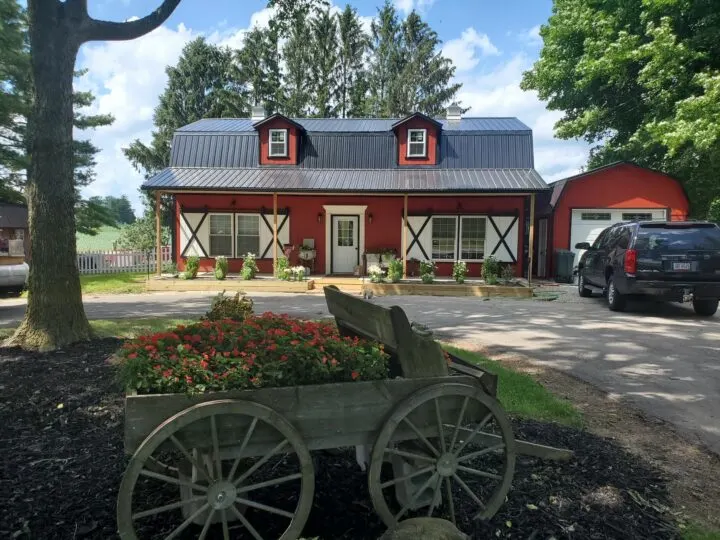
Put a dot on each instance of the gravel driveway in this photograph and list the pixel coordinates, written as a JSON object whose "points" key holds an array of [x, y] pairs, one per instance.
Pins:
{"points": [[659, 356]]}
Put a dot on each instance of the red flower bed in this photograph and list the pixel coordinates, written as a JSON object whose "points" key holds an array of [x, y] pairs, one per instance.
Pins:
{"points": [[261, 351]]}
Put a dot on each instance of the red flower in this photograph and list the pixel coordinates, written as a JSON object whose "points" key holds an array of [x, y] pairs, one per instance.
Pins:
{"points": [[188, 379], [132, 356], [203, 364], [284, 358], [354, 375]]}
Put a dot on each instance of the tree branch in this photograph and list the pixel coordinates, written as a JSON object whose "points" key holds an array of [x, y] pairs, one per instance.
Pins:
{"points": [[94, 30]]}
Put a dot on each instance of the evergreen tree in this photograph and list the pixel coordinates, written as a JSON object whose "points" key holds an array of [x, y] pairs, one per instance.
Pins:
{"points": [[352, 78], [325, 64], [299, 61], [257, 68], [385, 60]]}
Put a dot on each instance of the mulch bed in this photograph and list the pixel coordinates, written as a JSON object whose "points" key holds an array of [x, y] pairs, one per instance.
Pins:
{"points": [[62, 461]]}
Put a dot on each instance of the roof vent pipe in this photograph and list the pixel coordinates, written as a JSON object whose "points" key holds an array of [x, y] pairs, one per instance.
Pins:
{"points": [[454, 112], [257, 113]]}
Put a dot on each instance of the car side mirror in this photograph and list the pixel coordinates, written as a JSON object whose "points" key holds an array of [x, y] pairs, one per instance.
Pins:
{"points": [[583, 245]]}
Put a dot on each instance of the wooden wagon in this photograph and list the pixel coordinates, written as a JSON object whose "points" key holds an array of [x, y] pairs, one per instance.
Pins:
{"points": [[229, 464]]}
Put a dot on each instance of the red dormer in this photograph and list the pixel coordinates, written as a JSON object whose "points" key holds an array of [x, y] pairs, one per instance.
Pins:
{"points": [[279, 140], [417, 137]]}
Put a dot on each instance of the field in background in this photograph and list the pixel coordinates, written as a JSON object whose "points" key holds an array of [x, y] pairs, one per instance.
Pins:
{"points": [[103, 241]]}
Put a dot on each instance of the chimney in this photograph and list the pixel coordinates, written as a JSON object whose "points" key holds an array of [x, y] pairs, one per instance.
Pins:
{"points": [[454, 113], [258, 113]]}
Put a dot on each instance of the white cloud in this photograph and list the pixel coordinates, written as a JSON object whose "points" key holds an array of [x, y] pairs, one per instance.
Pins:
{"points": [[406, 6], [532, 36], [464, 50]]}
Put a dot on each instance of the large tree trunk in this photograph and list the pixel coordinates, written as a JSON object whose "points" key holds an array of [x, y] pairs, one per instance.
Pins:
{"points": [[55, 316]]}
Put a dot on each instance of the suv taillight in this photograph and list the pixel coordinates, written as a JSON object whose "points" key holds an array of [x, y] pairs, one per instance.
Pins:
{"points": [[630, 261]]}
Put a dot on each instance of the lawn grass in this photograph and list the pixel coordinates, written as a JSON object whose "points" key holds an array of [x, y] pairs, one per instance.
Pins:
{"points": [[522, 395], [124, 328], [698, 532], [123, 283], [104, 240]]}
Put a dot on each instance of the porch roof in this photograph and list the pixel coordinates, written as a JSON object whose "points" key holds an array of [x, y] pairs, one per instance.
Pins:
{"points": [[285, 179]]}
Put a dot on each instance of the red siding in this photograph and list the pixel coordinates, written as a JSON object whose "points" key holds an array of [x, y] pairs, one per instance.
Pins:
{"points": [[383, 232], [293, 136], [432, 137], [623, 186]]}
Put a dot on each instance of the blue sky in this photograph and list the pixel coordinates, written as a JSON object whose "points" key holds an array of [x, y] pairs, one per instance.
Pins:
{"points": [[490, 42]]}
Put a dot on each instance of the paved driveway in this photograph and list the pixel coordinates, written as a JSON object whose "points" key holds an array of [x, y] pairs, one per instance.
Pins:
{"points": [[660, 356]]}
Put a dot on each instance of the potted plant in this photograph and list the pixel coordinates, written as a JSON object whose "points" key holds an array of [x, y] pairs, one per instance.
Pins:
{"points": [[376, 273], [395, 268], [459, 271], [307, 253], [490, 270]]}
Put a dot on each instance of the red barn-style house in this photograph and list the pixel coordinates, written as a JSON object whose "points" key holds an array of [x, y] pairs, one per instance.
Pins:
{"points": [[443, 189]]}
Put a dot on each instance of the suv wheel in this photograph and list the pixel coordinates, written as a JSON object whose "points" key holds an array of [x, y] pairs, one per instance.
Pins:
{"points": [[615, 300], [705, 307], [582, 289]]}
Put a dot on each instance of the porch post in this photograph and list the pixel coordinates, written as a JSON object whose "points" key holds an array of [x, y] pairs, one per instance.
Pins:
{"points": [[532, 238], [404, 235], [275, 231], [158, 235]]}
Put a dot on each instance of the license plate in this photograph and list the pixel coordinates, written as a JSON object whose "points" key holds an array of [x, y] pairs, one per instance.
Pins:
{"points": [[681, 266]]}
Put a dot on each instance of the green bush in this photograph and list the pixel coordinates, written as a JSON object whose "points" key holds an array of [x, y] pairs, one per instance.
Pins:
{"points": [[261, 351], [170, 268], [236, 308], [507, 274], [192, 266], [221, 267], [714, 211], [249, 267], [459, 271], [427, 267], [490, 270], [427, 278], [282, 268], [395, 270]]}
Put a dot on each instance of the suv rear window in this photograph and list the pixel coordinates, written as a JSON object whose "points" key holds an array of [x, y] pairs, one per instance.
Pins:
{"points": [[678, 238]]}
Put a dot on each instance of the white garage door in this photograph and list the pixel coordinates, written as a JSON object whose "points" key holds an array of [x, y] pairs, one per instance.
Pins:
{"points": [[586, 225]]}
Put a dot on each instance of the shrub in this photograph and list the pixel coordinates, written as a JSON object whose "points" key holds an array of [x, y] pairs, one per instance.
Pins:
{"points": [[192, 266], [249, 267], [459, 271], [427, 267], [221, 267], [235, 308], [507, 274], [282, 268], [170, 268], [427, 278], [714, 211], [395, 270], [375, 272], [262, 351], [298, 272], [490, 270]]}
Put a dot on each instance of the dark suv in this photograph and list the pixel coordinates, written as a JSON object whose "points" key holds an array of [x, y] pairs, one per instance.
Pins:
{"points": [[676, 261]]}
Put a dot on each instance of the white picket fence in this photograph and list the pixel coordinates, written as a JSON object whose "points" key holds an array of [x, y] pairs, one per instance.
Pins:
{"points": [[114, 262]]}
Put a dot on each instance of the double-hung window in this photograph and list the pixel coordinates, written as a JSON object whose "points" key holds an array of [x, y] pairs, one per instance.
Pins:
{"points": [[417, 143], [443, 238], [221, 235], [472, 238], [247, 235], [278, 143]]}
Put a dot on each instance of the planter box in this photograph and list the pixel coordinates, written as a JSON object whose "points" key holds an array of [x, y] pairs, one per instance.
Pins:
{"points": [[448, 289]]}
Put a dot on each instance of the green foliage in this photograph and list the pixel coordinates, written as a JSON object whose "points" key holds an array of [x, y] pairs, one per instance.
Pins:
{"points": [[235, 308], [266, 351], [221, 267], [91, 216], [352, 77], [299, 61], [170, 268], [641, 81], [141, 235], [119, 207], [257, 67], [427, 267], [427, 278], [395, 270], [249, 267], [491, 269], [122, 283], [714, 211], [282, 268], [375, 272], [192, 266], [104, 238], [459, 271], [507, 273], [325, 64]]}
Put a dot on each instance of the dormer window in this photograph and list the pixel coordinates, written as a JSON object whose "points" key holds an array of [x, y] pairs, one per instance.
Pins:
{"points": [[278, 143], [417, 143]]}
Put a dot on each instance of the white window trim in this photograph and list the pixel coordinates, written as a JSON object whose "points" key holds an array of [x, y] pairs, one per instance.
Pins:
{"points": [[455, 246], [232, 234], [460, 237], [235, 235], [270, 142], [424, 153]]}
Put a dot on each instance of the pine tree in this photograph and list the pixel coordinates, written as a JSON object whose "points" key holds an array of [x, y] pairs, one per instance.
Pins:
{"points": [[325, 64], [298, 82], [385, 60], [257, 68], [352, 79]]}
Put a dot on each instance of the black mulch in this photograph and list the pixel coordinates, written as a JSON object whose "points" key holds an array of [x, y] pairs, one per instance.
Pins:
{"points": [[61, 460]]}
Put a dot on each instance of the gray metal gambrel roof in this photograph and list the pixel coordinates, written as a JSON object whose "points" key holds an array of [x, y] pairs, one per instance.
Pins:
{"points": [[347, 180], [357, 125]]}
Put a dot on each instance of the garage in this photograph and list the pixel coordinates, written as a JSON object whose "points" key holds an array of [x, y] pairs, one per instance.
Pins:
{"points": [[587, 224], [581, 206]]}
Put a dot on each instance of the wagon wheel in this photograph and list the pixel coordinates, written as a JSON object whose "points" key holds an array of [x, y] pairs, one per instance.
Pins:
{"points": [[217, 485], [455, 443]]}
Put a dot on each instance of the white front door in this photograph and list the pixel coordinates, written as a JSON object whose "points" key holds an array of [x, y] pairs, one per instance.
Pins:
{"points": [[542, 248], [345, 246]]}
